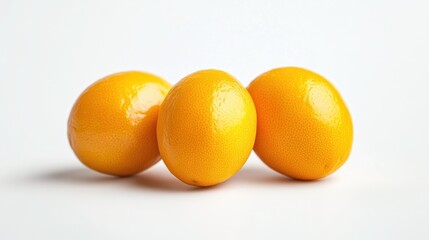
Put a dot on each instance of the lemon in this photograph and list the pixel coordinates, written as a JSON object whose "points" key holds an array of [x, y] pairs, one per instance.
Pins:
{"points": [[304, 127], [112, 126], [206, 128]]}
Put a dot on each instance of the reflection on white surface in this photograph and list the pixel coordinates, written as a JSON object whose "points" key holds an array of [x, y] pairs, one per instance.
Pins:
{"points": [[256, 203]]}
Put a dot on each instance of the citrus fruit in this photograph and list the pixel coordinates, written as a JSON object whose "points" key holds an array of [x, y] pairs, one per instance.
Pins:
{"points": [[112, 125], [304, 127], [206, 128]]}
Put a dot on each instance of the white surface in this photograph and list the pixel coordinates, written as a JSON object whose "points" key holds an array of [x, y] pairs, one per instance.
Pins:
{"points": [[374, 52]]}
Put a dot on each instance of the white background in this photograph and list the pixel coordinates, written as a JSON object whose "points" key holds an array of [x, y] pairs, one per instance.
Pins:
{"points": [[374, 52]]}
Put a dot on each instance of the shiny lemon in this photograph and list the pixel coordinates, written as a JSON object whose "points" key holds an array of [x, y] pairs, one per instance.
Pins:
{"points": [[304, 127], [112, 125], [206, 128]]}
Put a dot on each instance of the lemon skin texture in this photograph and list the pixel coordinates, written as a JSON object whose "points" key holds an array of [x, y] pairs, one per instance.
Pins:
{"points": [[304, 127], [112, 125], [206, 128]]}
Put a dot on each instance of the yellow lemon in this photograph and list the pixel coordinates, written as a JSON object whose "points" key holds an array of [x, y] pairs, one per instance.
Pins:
{"points": [[112, 126], [304, 127], [206, 128]]}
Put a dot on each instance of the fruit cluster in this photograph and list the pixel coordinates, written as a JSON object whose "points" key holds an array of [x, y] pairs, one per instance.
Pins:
{"points": [[205, 127]]}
